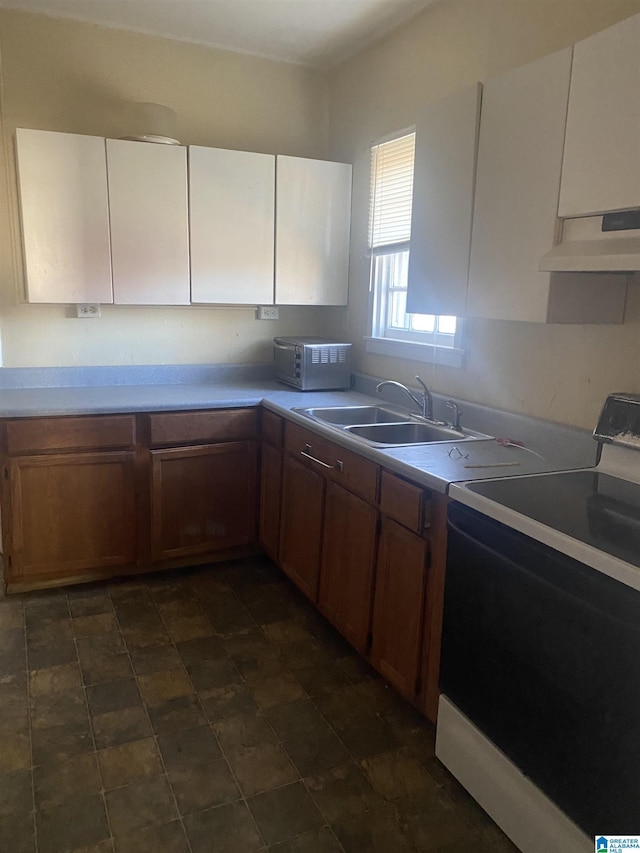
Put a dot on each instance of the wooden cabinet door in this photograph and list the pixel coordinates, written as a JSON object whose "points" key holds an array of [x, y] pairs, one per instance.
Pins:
{"points": [[399, 603], [203, 498], [70, 513], [62, 181], [348, 561], [313, 216], [149, 223], [301, 525], [232, 214], [601, 163], [270, 499]]}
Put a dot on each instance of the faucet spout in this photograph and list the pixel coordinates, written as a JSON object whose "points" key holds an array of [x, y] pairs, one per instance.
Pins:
{"points": [[424, 404]]}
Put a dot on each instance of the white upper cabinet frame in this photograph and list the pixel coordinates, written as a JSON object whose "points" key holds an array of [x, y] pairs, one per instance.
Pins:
{"points": [[149, 223], [601, 164], [313, 217], [443, 188], [232, 221], [62, 185]]}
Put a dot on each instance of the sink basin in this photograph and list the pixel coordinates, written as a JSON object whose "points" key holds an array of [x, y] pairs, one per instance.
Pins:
{"points": [[407, 433], [348, 415], [383, 426]]}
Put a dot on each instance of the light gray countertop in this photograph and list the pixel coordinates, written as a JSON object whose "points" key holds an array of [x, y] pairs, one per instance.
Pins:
{"points": [[433, 465]]}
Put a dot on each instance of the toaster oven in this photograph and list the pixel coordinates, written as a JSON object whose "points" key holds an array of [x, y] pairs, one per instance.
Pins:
{"points": [[313, 364]]}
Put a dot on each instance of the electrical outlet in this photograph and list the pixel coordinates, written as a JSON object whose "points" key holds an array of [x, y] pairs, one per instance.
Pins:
{"points": [[88, 309], [268, 312]]}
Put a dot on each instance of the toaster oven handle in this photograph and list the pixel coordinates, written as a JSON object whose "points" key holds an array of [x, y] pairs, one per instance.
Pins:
{"points": [[307, 455]]}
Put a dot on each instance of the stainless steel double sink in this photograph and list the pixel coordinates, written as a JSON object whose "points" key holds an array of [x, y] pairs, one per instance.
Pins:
{"points": [[385, 426]]}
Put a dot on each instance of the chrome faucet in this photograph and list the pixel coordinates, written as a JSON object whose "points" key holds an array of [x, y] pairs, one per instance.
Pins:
{"points": [[457, 411], [425, 404]]}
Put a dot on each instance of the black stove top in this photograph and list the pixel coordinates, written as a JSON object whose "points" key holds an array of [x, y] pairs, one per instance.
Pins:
{"points": [[592, 507]]}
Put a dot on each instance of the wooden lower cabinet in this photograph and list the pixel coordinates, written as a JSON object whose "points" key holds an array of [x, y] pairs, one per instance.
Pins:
{"points": [[203, 498], [399, 606], [68, 515], [301, 525], [348, 561]]}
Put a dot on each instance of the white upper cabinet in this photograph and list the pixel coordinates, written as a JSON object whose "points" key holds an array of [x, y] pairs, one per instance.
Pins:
{"points": [[232, 220], [149, 223], [601, 165], [515, 213], [444, 178], [313, 213], [62, 182]]}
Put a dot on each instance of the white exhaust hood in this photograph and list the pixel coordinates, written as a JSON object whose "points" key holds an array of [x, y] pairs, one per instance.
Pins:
{"points": [[597, 244]]}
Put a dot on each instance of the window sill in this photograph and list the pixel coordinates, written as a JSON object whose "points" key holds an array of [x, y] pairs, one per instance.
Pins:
{"points": [[430, 353]]}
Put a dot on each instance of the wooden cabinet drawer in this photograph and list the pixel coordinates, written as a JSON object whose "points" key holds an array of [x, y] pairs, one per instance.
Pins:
{"points": [[171, 428], [406, 502], [40, 435], [355, 473], [272, 428]]}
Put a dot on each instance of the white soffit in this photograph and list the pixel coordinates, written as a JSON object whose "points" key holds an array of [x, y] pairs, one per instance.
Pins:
{"points": [[318, 33]]}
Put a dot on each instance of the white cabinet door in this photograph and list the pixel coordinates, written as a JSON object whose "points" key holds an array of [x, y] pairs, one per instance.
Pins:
{"points": [[515, 213], [313, 214], [601, 164], [443, 184], [62, 182], [231, 216], [149, 223]]}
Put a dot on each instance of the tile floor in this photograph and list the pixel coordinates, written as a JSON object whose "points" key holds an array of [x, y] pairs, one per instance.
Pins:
{"points": [[210, 711]]}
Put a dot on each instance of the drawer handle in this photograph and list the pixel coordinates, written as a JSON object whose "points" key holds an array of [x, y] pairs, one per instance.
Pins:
{"points": [[307, 455]]}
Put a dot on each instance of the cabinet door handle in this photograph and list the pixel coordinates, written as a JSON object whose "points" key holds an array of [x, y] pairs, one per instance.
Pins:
{"points": [[307, 455]]}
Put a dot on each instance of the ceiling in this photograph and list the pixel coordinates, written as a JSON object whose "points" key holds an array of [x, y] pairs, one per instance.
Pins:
{"points": [[319, 33]]}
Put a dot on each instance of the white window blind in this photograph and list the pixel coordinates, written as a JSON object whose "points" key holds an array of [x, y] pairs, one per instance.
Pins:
{"points": [[391, 191]]}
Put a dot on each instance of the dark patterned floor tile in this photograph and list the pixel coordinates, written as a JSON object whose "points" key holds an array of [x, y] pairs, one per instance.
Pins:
{"points": [[432, 821], [373, 832], [368, 737], [142, 804], [285, 812], [90, 605], [128, 763], [51, 654], [343, 791], [122, 726], [188, 748], [16, 793], [72, 825], [60, 742], [100, 667], [237, 733], [262, 768], [296, 719], [201, 649], [159, 687], [17, 833], [155, 659], [181, 713], [113, 695], [59, 709], [322, 680], [223, 702], [397, 774], [13, 658], [15, 750], [225, 829], [95, 624], [321, 840], [209, 674], [165, 838], [12, 614], [313, 755], [54, 679], [64, 780], [203, 787]]}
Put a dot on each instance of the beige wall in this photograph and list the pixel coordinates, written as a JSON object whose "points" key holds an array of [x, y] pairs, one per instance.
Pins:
{"points": [[557, 372], [75, 77]]}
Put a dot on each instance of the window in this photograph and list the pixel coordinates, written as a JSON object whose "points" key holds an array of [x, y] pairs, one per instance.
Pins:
{"points": [[423, 337]]}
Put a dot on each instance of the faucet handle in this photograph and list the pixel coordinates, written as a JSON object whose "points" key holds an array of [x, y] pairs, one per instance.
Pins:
{"points": [[457, 412]]}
